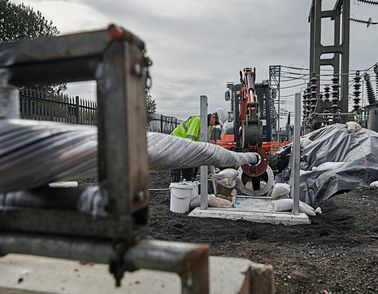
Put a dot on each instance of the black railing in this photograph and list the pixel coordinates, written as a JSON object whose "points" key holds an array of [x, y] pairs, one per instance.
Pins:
{"points": [[161, 123], [37, 105]]}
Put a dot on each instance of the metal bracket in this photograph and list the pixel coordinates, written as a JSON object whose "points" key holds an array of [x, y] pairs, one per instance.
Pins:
{"points": [[116, 60]]}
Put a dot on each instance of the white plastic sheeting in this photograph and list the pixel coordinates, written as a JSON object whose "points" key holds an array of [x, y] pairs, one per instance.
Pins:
{"points": [[333, 159], [34, 153]]}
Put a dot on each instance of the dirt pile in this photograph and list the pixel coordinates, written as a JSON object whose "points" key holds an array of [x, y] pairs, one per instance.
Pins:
{"points": [[337, 252]]}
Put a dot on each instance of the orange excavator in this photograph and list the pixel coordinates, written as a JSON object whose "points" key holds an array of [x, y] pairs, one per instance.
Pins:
{"points": [[244, 130]]}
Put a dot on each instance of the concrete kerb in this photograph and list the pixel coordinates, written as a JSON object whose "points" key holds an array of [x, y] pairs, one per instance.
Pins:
{"points": [[23, 274], [285, 218]]}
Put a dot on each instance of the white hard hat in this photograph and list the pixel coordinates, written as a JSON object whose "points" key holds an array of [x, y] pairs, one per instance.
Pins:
{"points": [[222, 115]]}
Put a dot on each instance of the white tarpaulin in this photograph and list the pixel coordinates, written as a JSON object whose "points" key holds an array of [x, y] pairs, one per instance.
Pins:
{"points": [[334, 159]]}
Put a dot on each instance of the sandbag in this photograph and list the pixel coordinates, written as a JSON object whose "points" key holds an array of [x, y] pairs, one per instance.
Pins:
{"points": [[353, 127], [227, 177], [280, 190], [212, 201], [287, 205], [328, 166], [374, 184]]}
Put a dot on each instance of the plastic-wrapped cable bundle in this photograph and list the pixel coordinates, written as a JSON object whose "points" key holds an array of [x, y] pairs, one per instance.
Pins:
{"points": [[33, 154], [167, 151]]}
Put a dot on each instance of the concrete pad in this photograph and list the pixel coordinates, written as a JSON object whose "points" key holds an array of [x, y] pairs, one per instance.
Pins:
{"points": [[253, 209], [31, 274]]}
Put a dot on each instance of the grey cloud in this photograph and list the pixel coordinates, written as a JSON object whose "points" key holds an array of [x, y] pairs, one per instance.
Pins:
{"points": [[197, 46]]}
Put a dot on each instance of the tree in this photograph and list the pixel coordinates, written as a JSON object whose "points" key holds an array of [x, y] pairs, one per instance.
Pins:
{"points": [[151, 105], [21, 22]]}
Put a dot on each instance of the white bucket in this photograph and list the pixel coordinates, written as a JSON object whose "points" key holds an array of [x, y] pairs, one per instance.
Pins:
{"points": [[181, 194]]}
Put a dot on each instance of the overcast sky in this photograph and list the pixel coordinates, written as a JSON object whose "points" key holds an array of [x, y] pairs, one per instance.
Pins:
{"points": [[199, 45]]}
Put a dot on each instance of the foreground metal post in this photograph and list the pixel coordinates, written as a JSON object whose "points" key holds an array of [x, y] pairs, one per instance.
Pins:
{"points": [[296, 155], [204, 169], [116, 60]]}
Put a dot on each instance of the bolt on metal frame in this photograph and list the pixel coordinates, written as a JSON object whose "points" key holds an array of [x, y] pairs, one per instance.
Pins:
{"points": [[115, 58]]}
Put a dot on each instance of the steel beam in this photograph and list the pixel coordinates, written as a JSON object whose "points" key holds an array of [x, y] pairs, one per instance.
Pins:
{"points": [[328, 14], [336, 41], [345, 57], [331, 49], [317, 41], [339, 49], [312, 40], [328, 61]]}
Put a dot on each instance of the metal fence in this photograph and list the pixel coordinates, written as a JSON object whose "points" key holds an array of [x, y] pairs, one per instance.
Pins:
{"points": [[37, 105], [162, 124]]}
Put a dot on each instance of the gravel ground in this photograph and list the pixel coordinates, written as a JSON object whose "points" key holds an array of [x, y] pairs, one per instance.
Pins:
{"points": [[338, 252]]}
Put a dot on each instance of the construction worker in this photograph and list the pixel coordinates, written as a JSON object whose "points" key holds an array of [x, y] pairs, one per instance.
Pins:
{"points": [[190, 129]]}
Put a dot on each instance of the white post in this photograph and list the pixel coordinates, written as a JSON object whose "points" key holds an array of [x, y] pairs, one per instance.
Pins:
{"points": [[296, 155], [212, 171], [204, 168]]}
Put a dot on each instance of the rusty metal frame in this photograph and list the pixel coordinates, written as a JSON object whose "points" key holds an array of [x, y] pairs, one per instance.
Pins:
{"points": [[116, 59]]}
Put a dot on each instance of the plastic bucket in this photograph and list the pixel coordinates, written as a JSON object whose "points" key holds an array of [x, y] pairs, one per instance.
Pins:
{"points": [[181, 194]]}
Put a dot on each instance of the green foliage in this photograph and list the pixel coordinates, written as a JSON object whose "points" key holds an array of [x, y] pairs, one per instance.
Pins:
{"points": [[151, 105], [21, 22]]}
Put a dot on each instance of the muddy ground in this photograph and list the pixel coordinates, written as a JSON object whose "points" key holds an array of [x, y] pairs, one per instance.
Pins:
{"points": [[337, 252]]}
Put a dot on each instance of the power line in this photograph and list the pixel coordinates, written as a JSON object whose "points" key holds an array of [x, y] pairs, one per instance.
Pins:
{"points": [[303, 68], [367, 22], [372, 2], [293, 86]]}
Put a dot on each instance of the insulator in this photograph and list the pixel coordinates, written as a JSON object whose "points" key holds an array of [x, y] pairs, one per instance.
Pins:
{"points": [[357, 92], [304, 103], [326, 93], [369, 89], [313, 93], [308, 100], [327, 119], [335, 94]]}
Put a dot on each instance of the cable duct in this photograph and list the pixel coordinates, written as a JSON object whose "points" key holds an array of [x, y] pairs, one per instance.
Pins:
{"points": [[33, 154]]}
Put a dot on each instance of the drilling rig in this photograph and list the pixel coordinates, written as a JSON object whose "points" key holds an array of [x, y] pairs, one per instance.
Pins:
{"points": [[245, 132]]}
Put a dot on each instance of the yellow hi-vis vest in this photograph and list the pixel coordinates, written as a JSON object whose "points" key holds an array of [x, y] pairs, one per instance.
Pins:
{"points": [[190, 129]]}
